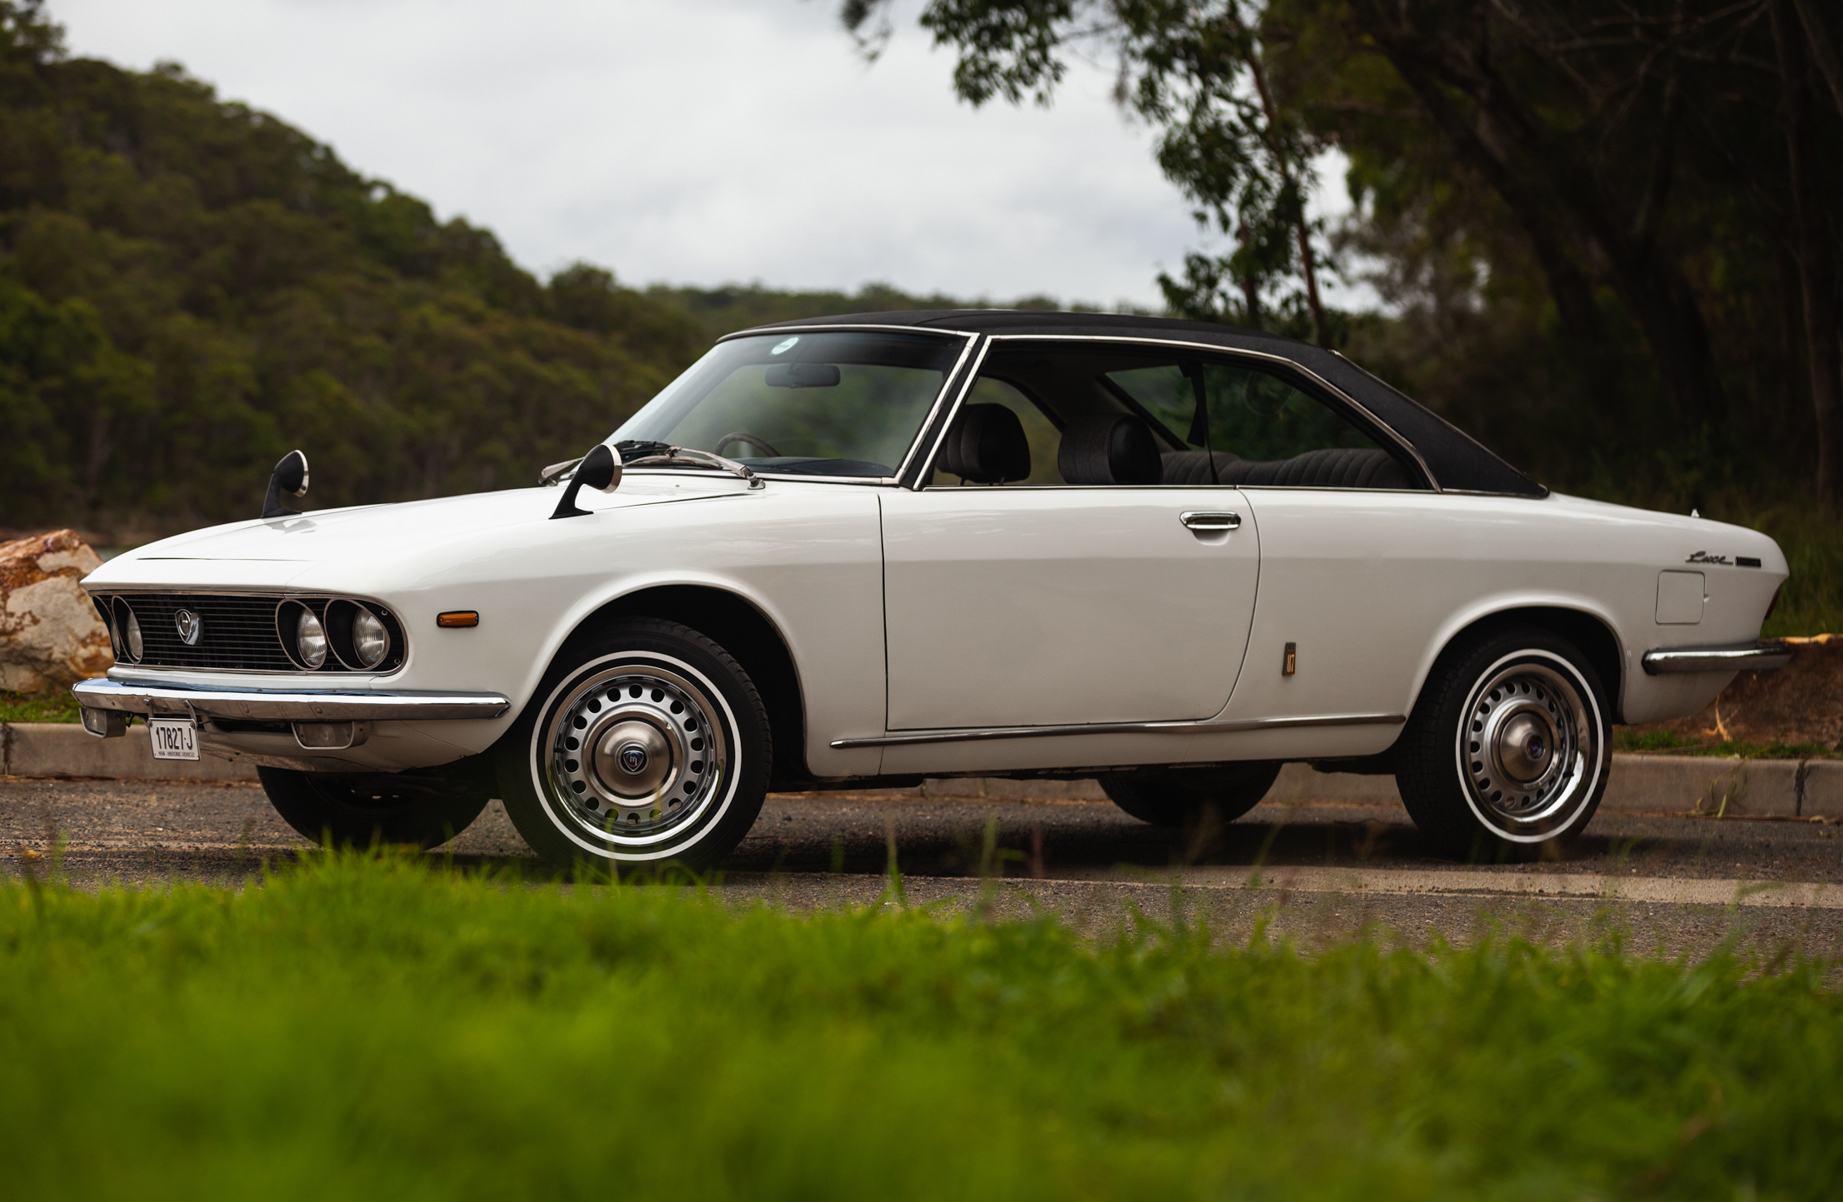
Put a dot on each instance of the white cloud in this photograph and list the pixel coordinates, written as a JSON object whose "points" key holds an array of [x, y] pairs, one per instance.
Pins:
{"points": [[690, 140]]}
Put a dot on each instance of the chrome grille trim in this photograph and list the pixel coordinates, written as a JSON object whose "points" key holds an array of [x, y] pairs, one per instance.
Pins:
{"points": [[239, 634]]}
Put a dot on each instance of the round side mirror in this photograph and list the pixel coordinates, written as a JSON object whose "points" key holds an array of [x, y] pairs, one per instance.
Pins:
{"points": [[600, 469], [289, 476], [291, 473]]}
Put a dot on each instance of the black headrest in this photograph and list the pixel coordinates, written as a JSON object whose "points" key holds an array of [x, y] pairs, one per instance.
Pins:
{"points": [[1116, 449], [986, 445]]}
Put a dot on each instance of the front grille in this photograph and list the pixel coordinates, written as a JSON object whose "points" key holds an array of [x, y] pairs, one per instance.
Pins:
{"points": [[238, 632]]}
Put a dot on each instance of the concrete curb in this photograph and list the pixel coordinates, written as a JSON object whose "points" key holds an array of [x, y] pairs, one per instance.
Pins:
{"points": [[1640, 783], [64, 749]]}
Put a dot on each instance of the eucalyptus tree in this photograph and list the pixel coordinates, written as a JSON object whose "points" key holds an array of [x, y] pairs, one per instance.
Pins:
{"points": [[1663, 162], [1197, 73]]}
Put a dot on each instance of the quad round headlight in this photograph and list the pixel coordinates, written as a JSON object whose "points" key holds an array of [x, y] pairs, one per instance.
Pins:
{"points": [[125, 631], [310, 639], [370, 641]]}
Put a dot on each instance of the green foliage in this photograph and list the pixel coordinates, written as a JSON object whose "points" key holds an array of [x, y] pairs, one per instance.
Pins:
{"points": [[737, 307], [188, 288], [56, 706], [1627, 738], [381, 1028]]}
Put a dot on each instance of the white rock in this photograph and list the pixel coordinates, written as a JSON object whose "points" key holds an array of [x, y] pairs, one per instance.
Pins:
{"points": [[50, 634]]}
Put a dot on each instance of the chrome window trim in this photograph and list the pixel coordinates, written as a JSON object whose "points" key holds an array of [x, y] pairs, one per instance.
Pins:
{"points": [[1235, 352], [846, 326], [288, 705], [968, 340], [965, 373], [1203, 726], [925, 464]]}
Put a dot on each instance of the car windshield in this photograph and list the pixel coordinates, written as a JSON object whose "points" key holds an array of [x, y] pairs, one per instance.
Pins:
{"points": [[828, 404]]}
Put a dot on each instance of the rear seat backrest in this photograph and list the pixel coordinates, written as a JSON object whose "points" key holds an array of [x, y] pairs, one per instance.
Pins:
{"points": [[1331, 467], [1114, 449]]}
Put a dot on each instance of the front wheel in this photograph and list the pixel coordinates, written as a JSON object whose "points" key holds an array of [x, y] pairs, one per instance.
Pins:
{"points": [[1506, 751], [646, 744]]}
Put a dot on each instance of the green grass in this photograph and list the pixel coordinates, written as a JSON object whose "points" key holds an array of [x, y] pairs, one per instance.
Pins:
{"points": [[51, 707], [1627, 739], [383, 1028]]}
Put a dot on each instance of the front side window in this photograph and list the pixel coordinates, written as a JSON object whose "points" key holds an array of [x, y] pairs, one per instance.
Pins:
{"points": [[1040, 434], [826, 404]]}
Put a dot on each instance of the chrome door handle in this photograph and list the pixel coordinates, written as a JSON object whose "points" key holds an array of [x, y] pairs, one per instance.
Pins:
{"points": [[1210, 521]]}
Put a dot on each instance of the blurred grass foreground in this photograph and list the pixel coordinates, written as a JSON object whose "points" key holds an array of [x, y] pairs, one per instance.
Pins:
{"points": [[376, 1027]]}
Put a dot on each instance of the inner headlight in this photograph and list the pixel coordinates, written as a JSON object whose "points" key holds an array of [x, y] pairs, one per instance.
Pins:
{"points": [[370, 641], [309, 639]]}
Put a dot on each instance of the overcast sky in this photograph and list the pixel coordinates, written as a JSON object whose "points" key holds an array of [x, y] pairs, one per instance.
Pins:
{"points": [[691, 141]]}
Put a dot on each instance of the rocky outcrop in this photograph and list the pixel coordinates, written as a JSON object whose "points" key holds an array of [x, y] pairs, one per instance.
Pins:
{"points": [[50, 636]]}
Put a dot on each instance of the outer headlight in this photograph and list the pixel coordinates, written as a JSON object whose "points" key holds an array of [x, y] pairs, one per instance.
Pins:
{"points": [[370, 641], [310, 639], [131, 635]]}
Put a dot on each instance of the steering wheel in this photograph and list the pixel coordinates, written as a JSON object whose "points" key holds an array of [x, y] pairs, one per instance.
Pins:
{"points": [[743, 436]]}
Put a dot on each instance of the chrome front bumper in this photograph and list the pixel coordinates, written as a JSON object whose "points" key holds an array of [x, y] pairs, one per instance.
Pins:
{"points": [[1741, 657], [273, 705]]}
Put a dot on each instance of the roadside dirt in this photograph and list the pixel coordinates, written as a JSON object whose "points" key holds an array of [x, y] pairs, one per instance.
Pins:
{"points": [[1801, 703]]}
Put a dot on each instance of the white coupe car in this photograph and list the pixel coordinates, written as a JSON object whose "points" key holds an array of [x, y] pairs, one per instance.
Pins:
{"points": [[858, 551]]}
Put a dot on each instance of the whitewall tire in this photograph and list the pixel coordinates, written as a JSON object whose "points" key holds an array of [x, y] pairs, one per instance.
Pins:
{"points": [[1508, 749], [645, 745]]}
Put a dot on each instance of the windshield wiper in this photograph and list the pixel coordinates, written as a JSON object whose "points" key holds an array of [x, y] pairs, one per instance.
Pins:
{"points": [[664, 454], [557, 471]]}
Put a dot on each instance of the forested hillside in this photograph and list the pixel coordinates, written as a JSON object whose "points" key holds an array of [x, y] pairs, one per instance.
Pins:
{"points": [[188, 288], [738, 306]]}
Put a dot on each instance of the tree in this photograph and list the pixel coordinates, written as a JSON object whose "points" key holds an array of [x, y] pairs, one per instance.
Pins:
{"points": [[1195, 71], [1618, 140]]}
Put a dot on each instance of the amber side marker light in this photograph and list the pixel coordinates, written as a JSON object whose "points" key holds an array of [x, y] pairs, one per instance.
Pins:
{"points": [[459, 617]]}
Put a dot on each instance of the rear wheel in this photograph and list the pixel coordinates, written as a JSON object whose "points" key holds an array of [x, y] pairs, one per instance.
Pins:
{"points": [[424, 807], [1183, 797], [1506, 751], [647, 744]]}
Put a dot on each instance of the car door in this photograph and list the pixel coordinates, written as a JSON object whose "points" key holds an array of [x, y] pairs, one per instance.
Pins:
{"points": [[1039, 602], [1360, 560]]}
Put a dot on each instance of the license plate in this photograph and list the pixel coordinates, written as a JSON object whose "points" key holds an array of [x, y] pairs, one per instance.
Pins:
{"points": [[173, 738]]}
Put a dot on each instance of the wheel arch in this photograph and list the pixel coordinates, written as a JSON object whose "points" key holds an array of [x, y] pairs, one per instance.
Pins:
{"points": [[1592, 633], [740, 627]]}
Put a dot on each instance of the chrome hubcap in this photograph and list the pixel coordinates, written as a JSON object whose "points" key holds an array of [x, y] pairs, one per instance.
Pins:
{"points": [[633, 759], [636, 752], [1527, 747]]}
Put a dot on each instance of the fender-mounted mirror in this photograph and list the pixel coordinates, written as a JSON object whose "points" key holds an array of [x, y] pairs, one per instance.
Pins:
{"points": [[289, 476], [599, 469]]}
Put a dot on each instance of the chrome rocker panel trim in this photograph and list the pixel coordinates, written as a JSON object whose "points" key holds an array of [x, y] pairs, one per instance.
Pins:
{"points": [[1115, 728], [1743, 657], [275, 705]]}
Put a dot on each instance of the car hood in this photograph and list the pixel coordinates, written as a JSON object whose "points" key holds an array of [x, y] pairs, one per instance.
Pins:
{"points": [[390, 532]]}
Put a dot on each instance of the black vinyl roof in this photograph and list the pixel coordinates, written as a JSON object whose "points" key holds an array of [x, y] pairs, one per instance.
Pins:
{"points": [[1455, 458]]}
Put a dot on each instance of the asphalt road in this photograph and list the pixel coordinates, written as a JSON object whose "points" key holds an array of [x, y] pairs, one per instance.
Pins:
{"points": [[1665, 884]]}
